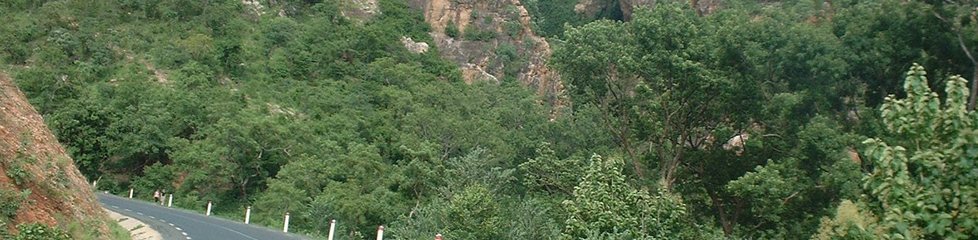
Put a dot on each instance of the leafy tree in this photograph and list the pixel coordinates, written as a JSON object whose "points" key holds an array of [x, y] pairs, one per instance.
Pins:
{"points": [[850, 223], [549, 173], [591, 60], [549, 18], [923, 184], [654, 80], [605, 206], [319, 115], [475, 214], [784, 196], [961, 16]]}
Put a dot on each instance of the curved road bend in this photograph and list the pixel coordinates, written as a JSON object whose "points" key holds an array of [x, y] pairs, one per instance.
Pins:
{"points": [[179, 224]]}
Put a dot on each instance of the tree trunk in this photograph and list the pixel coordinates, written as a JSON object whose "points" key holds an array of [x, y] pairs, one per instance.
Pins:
{"points": [[974, 88], [721, 213], [618, 91], [967, 53], [974, 66], [626, 143], [667, 170]]}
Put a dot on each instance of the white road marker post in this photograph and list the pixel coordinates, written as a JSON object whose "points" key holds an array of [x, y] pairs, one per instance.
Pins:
{"points": [[130, 192], [332, 228], [248, 215], [169, 202], [380, 232], [438, 236], [208, 208], [285, 228]]}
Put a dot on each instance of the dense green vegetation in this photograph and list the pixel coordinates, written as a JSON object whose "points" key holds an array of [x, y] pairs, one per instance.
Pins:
{"points": [[746, 123]]}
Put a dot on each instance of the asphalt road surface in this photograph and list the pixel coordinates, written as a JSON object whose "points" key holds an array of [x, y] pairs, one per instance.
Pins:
{"points": [[179, 224]]}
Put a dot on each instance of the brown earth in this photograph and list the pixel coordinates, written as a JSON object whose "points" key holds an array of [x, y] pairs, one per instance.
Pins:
{"points": [[59, 195]]}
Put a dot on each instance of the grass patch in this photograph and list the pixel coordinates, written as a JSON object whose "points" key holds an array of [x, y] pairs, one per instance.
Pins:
{"points": [[118, 232], [88, 229]]}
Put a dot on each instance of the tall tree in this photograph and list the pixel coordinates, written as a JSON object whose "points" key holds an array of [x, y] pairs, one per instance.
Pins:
{"points": [[924, 183], [655, 81], [961, 16], [605, 206]]}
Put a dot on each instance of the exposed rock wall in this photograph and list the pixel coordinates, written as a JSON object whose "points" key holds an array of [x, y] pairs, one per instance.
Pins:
{"points": [[491, 40], [590, 8], [359, 9]]}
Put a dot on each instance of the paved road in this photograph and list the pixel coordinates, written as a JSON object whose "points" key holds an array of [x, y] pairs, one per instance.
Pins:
{"points": [[179, 224]]}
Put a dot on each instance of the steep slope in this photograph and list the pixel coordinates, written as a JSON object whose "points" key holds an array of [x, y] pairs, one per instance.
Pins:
{"points": [[492, 41], [38, 180]]}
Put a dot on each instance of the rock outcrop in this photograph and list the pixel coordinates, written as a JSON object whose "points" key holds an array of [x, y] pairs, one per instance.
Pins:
{"points": [[359, 9], [38, 180], [629, 6], [491, 40], [415, 47], [591, 8]]}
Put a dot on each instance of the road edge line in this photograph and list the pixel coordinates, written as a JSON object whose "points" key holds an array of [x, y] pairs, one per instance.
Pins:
{"points": [[138, 230]]}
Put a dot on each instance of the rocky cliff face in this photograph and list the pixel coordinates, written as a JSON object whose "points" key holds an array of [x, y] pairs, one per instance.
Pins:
{"points": [[38, 180], [590, 8], [359, 9], [491, 40]]}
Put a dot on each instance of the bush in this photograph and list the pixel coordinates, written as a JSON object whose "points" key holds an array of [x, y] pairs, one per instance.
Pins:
{"points": [[513, 28], [18, 174], [475, 34], [475, 214], [451, 30], [38, 231], [3, 229], [9, 203]]}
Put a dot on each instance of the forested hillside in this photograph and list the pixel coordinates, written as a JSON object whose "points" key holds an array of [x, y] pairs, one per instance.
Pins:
{"points": [[682, 120]]}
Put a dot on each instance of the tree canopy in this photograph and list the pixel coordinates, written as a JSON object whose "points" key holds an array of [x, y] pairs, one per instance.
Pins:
{"points": [[748, 121]]}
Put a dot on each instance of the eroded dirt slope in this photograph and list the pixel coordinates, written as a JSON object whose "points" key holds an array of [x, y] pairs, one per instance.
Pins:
{"points": [[36, 174]]}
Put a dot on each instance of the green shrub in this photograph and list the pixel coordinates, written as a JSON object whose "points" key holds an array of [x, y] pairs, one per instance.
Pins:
{"points": [[475, 34], [38, 231], [18, 174], [9, 203], [451, 30], [3, 229], [513, 28]]}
